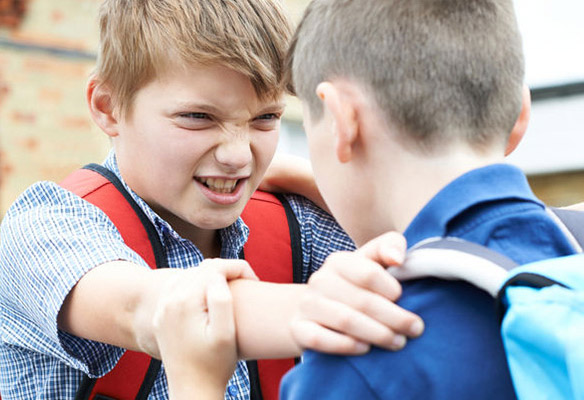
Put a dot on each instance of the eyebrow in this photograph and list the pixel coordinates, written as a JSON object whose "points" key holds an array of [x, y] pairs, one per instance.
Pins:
{"points": [[205, 107], [273, 108], [199, 106]]}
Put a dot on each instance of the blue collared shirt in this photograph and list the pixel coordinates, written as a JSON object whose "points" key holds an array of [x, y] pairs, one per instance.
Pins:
{"points": [[460, 355], [50, 238]]}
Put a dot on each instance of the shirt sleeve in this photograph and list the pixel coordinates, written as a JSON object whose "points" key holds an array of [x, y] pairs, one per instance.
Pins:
{"points": [[50, 239], [324, 376], [320, 234]]}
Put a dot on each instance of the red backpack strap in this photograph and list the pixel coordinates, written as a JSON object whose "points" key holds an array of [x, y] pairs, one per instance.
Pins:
{"points": [[135, 373], [274, 251]]}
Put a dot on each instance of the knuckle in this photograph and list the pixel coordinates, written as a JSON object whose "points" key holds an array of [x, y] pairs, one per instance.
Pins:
{"points": [[317, 278], [313, 341], [369, 277], [344, 322], [308, 301], [336, 260], [365, 305]]}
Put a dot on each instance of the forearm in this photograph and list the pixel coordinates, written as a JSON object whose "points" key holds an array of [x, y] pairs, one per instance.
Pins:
{"points": [[118, 310], [189, 391], [263, 312]]}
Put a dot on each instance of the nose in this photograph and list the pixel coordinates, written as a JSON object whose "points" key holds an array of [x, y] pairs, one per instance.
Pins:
{"points": [[234, 153]]}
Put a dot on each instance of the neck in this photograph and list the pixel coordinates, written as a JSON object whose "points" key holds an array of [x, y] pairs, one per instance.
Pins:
{"points": [[209, 244], [414, 179], [208, 241]]}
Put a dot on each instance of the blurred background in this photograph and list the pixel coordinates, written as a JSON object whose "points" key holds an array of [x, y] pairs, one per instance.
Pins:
{"points": [[47, 50]]}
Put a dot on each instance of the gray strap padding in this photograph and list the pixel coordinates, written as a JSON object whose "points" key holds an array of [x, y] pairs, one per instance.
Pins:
{"points": [[455, 259]]}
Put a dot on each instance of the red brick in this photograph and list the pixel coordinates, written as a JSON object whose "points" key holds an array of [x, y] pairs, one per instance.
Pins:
{"points": [[23, 117], [76, 123]]}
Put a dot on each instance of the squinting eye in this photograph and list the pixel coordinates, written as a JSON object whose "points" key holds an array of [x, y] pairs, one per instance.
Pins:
{"points": [[195, 115], [268, 117], [195, 120]]}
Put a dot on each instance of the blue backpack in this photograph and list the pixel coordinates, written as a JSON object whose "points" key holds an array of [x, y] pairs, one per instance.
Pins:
{"points": [[540, 305]]}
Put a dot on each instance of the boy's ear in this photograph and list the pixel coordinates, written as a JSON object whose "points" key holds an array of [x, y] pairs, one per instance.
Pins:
{"points": [[99, 99], [343, 112], [520, 126]]}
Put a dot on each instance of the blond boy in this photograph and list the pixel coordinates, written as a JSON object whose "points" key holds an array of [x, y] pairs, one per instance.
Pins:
{"points": [[190, 93]]}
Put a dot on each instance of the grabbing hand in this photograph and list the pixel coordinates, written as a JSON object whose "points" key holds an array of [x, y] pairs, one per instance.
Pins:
{"points": [[195, 330], [350, 302]]}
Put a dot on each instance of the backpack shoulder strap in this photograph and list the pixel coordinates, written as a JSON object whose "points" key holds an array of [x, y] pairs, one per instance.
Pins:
{"points": [[456, 259], [274, 232], [274, 251], [134, 374], [571, 223]]}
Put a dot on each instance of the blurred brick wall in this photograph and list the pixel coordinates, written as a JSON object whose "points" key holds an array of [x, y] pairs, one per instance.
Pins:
{"points": [[45, 59], [45, 129]]}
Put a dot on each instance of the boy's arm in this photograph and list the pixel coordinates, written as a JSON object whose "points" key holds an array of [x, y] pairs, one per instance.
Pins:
{"points": [[346, 305], [272, 320], [117, 302], [292, 174]]}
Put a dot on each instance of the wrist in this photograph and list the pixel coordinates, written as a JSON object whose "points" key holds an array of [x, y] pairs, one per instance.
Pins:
{"points": [[189, 391], [188, 384]]}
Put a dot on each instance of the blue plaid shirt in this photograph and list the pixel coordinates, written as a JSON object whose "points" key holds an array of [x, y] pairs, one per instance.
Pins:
{"points": [[50, 238]]}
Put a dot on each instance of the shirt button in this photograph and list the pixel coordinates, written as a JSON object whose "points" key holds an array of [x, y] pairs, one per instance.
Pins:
{"points": [[232, 390]]}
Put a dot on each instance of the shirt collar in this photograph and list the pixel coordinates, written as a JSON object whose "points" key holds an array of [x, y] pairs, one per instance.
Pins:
{"points": [[490, 183], [232, 238]]}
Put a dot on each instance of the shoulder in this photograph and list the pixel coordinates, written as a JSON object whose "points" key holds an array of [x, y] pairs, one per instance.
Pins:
{"points": [[47, 202], [433, 366], [323, 376], [320, 234], [317, 224], [47, 222], [523, 231], [40, 194], [306, 209]]}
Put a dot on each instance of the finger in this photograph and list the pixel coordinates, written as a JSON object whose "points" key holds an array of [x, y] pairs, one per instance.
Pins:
{"points": [[359, 271], [313, 336], [231, 269], [373, 305], [387, 249], [220, 306], [346, 320]]}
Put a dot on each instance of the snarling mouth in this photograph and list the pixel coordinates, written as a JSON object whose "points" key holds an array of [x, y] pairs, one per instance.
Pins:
{"points": [[219, 185]]}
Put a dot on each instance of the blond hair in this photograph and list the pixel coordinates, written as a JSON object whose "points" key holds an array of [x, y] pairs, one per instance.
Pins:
{"points": [[440, 70], [140, 39]]}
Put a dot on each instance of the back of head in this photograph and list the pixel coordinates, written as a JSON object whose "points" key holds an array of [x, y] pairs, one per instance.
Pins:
{"points": [[440, 70], [141, 39]]}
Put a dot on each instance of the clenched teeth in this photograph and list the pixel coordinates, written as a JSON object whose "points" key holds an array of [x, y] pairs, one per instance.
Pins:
{"points": [[219, 185]]}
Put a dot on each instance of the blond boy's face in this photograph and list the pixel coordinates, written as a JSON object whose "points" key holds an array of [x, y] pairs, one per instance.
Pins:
{"points": [[197, 144]]}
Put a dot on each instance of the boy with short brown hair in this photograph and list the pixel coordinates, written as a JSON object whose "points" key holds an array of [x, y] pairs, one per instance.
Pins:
{"points": [[410, 108], [190, 93]]}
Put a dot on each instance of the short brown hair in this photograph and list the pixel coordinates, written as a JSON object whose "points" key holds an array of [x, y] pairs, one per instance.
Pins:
{"points": [[141, 38], [440, 70]]}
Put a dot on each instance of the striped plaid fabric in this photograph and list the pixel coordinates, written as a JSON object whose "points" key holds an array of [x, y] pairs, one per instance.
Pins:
{"points": [[50, 238]]}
